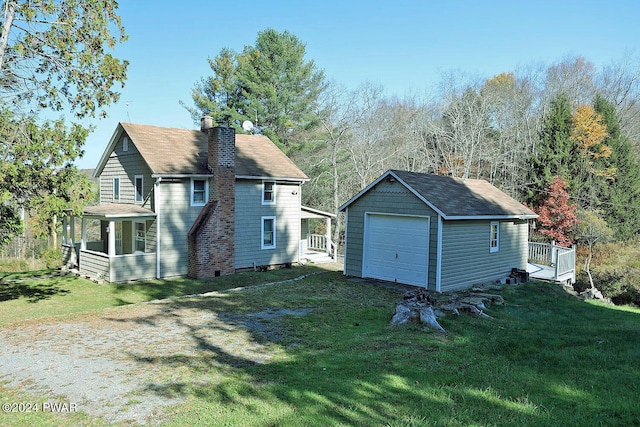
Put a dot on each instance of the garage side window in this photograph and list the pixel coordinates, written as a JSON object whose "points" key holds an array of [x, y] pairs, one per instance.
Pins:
{"points": [[494, 242], [268, 232]]}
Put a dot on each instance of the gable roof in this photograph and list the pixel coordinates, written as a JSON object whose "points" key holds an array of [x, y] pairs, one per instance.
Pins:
{"points": [[172, 151], [455, 198]]}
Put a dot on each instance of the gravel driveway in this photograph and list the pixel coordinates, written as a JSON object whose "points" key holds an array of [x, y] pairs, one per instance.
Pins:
{"points": [[130, 363]]}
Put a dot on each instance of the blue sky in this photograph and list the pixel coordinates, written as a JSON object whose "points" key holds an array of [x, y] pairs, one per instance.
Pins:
{"points": [[406, 46]]}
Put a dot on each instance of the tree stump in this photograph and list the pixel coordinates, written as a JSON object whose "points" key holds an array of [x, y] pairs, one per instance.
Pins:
{"points": [[419, 306]]}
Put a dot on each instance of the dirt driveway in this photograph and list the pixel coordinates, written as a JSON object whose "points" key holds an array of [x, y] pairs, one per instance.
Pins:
{"points": [[130, 363]]}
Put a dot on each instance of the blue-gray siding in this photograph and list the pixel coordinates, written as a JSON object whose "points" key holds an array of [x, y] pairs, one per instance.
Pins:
{"points": [[176, 217], [391, 198], [126, 165], [466, 256], [95, 265], [138, 266], [249, 213]]}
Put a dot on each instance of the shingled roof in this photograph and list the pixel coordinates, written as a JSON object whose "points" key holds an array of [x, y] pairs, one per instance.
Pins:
{"points": [[172, 151], [456, 198]]}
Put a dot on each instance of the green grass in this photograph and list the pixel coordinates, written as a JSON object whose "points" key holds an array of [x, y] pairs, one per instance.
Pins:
{"points": [[545, 359], [44, 293]]}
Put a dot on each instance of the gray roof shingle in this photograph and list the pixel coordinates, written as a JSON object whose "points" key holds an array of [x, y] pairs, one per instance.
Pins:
{"points": [[456, 198]]}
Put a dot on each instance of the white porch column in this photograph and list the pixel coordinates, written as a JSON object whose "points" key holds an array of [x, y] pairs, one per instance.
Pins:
{"points": [[73, 229], [112, 238], [83, 235], [64, 230], [328, 235]]}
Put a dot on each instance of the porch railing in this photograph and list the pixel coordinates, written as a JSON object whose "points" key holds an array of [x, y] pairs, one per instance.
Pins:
{"points": [[320, 243], [317, 242]]}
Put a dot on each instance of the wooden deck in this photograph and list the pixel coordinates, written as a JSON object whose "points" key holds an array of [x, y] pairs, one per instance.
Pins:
{"points": [[552, 263], [548, 273]]}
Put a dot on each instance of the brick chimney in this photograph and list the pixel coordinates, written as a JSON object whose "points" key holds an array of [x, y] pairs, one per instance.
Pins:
{"points": [[212, 236]]}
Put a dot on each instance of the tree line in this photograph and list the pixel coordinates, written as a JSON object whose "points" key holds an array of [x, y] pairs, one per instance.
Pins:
{"points": [[519, 129]]}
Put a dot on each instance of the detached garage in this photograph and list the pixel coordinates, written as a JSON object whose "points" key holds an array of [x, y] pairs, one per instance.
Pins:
{"points": [[437, 232]]}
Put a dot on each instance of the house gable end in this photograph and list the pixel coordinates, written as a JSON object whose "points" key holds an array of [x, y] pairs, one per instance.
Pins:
{"points": [[114, 146]]}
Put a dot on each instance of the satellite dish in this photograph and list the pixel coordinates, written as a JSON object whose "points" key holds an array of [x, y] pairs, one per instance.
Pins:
{"points": [[247, 126]]}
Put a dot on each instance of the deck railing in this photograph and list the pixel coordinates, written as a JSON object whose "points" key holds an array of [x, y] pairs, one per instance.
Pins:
{"points": [[540, 253], [563, 259]]}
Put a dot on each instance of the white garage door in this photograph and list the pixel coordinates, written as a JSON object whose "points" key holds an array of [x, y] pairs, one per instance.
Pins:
{"points": [[396, 248]]}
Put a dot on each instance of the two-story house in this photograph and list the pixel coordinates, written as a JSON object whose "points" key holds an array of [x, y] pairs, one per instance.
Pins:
{"points": [[176, 202]]}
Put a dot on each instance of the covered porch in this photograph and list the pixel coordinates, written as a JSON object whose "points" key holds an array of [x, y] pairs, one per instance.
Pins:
{"points": [[117, 243], [316, 247], [550, 262]]}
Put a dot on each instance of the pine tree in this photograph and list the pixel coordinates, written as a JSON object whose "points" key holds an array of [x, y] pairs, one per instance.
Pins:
{"points": [[620, 196], [270, 83], [555, 151]]}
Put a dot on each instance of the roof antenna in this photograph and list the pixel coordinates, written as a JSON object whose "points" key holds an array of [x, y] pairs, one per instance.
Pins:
{"points": [[128, 118]]}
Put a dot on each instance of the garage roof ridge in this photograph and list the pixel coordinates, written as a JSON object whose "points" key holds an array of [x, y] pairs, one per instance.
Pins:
{"points": [[455, 198]]}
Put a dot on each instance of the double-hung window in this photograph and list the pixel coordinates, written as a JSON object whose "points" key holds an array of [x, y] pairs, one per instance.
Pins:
{"points": [[199, 192], [494, 240], [268, 192], [268, 232]]}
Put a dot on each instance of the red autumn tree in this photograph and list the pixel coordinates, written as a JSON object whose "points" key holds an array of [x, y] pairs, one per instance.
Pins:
{"points": [[557, 215]]}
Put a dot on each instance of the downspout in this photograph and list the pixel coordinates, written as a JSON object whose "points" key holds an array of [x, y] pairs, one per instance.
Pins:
{"points": [[439, 256], [156, 207], [299, 204], [344, 250]]}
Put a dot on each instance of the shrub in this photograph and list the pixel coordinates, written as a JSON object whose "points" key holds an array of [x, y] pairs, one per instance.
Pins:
{"points": [[52, 258]]}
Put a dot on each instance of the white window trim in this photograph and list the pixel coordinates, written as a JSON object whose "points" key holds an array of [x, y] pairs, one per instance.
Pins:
{"points": [[135, 236], [495, 248], [125, 143], [113, 188], [206, 192], [273, 193], [135, 188], [273, 245]]}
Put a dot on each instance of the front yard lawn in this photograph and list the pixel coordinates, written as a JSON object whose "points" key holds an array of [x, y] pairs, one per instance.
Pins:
{"points": [[45, 293], [545, 358]]}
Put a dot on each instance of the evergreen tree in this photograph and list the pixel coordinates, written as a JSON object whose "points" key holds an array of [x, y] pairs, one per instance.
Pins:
{"points": [[555, 152], [270, 83], [620, 195]]}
